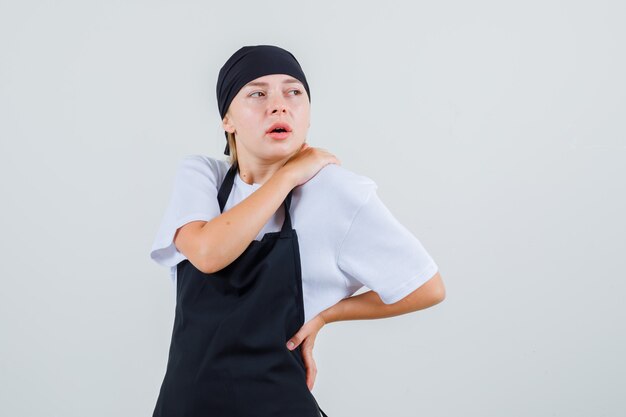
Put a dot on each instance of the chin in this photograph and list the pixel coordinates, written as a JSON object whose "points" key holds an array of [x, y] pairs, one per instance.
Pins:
{"points": [[280, 153]]}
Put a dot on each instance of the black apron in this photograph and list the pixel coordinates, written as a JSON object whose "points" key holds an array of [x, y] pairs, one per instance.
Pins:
{"points": [[228, 355]]}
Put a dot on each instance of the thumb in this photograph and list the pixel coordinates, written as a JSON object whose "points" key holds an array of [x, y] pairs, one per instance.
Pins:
{"points": [[294, 341]]}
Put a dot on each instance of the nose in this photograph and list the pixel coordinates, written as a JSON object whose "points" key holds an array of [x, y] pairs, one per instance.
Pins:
{"points": [[278, 104]]}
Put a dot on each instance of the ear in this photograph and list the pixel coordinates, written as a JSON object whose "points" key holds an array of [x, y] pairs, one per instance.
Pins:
{"points": [[227, 125]]}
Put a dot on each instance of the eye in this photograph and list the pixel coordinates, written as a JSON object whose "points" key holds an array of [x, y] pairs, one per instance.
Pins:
{"points": [[299, 92]]}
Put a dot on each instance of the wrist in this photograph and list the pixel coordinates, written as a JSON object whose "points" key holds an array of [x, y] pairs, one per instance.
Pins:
{"points": [[332, 313], [286, 177]]}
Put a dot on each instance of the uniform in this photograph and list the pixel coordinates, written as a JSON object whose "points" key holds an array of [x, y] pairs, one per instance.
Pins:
{"points": [[228, 356], [347, 237]]}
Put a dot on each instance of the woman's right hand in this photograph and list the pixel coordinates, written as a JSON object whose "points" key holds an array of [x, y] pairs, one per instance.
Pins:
{"points": [[305, 163]]}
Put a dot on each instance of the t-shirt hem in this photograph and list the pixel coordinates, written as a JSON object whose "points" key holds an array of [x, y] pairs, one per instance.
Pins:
{"points": [[164, 252], [408, 287]]}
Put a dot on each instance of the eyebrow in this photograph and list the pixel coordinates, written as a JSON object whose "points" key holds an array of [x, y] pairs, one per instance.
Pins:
{"points": [[262, 84]]}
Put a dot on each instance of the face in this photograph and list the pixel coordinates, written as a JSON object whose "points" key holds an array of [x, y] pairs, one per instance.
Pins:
{"points": [[261, 103]]}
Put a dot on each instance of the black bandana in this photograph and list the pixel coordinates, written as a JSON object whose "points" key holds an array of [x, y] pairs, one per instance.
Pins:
{"points": [[249, 63]]}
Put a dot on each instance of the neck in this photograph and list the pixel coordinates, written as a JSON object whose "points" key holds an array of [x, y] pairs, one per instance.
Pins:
{"points": [[256, 170]]}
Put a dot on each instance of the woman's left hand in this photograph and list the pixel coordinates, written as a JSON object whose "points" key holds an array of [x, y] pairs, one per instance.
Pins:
{"points": [[306, 336]]}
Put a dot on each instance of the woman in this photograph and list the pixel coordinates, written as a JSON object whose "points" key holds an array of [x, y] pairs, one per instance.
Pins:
{"points": [[267, 248]]}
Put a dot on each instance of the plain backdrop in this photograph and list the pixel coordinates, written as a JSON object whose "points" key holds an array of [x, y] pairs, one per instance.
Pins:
{"points": [[494, 130]]}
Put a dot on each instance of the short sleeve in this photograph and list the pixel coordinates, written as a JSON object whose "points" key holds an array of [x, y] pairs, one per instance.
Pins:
{"points": [[194, 197], [382, 254]]}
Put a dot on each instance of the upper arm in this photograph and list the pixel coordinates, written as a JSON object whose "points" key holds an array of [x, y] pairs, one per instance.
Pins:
{"points": [[382, 254], [192, 204], [432, 289], [188, 241]]}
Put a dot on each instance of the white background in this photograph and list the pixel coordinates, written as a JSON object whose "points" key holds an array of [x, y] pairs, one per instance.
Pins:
{"points": [[494, 130]]}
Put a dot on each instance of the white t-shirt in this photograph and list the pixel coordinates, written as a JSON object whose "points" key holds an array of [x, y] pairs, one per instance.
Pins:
{"points": [[347, 237]]}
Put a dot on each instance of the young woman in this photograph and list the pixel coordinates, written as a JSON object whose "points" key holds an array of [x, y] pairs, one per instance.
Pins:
{"points": [[268, 247]]}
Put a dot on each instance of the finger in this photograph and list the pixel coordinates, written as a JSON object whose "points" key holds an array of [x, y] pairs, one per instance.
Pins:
{"points": [[311, 368], [310, 379], [300, 336], [294, 341]]}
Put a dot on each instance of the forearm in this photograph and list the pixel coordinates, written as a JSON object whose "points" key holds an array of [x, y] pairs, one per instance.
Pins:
{"points": [[226, 236], [368, 305]]}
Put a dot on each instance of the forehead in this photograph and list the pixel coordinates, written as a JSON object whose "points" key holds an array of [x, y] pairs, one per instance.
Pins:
{"points": [[266, 80]]}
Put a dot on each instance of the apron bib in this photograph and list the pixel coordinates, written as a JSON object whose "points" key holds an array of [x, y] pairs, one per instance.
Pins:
{"points": [[228, 355]]}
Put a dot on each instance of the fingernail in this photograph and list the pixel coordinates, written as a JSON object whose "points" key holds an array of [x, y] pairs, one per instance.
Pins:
{"points": [[290, 344]]}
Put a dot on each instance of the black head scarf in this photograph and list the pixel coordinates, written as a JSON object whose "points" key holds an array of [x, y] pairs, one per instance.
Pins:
{"points": [[249, 63]]}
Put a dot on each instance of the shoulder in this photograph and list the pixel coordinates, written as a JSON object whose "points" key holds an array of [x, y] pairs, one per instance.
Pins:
{"points": [[203, 162], [337, 176], [341, 185], [201, 167]]}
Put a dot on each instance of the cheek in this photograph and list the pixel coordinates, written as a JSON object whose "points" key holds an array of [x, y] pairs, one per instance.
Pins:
{"points": [[251, 120], [304, 114]]}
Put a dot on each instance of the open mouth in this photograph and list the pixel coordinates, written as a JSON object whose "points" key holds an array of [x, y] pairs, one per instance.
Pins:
{"points": [[279, 134], [278, 127], [279, 130]]}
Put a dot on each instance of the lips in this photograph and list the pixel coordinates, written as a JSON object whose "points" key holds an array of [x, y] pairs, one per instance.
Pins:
{"points": [[279, 127]]}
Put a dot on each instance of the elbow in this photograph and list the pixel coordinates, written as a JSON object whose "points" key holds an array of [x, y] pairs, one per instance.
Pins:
{"points": [[210, 258], [189, 241], [205, 262], [206, 265], [439, 295], [205, 269], [436, 289], [430, 293]]}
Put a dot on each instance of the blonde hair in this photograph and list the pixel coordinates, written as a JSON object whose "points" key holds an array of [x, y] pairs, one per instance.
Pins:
{"points": [[232, 149], [232, 144]]}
